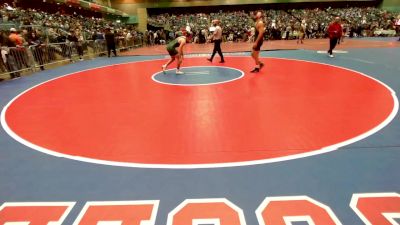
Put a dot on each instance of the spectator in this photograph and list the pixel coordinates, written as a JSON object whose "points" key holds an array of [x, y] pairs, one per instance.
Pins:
{"points": [[366, 21], [37, 48], [7, 54], [15, 38]]}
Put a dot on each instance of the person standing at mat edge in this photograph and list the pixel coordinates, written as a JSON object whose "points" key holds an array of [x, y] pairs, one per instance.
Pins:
{"points": [[217, 39], [335, 33], [110, 40], [259, 35], [179, 42]]}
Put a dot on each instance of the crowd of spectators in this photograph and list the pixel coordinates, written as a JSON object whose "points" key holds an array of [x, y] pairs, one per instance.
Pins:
{"points": [[55, 27], [280, 24], [23, 27], [33, 37], [62, 33]]}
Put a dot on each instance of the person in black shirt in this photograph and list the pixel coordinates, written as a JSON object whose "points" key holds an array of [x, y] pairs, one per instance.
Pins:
{"points": [[110, 41], [73, 40], [37, 47]]}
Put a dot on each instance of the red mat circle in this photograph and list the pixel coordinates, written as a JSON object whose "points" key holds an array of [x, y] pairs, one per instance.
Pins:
{"points": [[117, 115]]}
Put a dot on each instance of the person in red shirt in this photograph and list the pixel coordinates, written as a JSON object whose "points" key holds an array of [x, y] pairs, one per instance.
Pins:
{"points": [[335, 33], [397, 25], [15, 38]]}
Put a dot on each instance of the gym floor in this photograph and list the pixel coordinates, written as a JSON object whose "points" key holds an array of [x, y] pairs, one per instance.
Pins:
{"points": [[307, 128]]}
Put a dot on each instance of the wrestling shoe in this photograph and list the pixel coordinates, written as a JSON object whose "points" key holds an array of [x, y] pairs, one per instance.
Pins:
{"points": [[255, 70]]}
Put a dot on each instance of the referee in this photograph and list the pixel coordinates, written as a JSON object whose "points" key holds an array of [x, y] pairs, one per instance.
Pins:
{"points": [[217, 38]]}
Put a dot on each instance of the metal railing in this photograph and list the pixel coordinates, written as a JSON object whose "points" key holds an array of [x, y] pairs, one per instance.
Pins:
{"points": [[15, 60], [22, 60], [7, 26]]}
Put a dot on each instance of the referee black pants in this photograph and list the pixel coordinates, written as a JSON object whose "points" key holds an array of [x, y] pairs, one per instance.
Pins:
{"points": [[217, 48], [111, 47], [332, 44]]}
